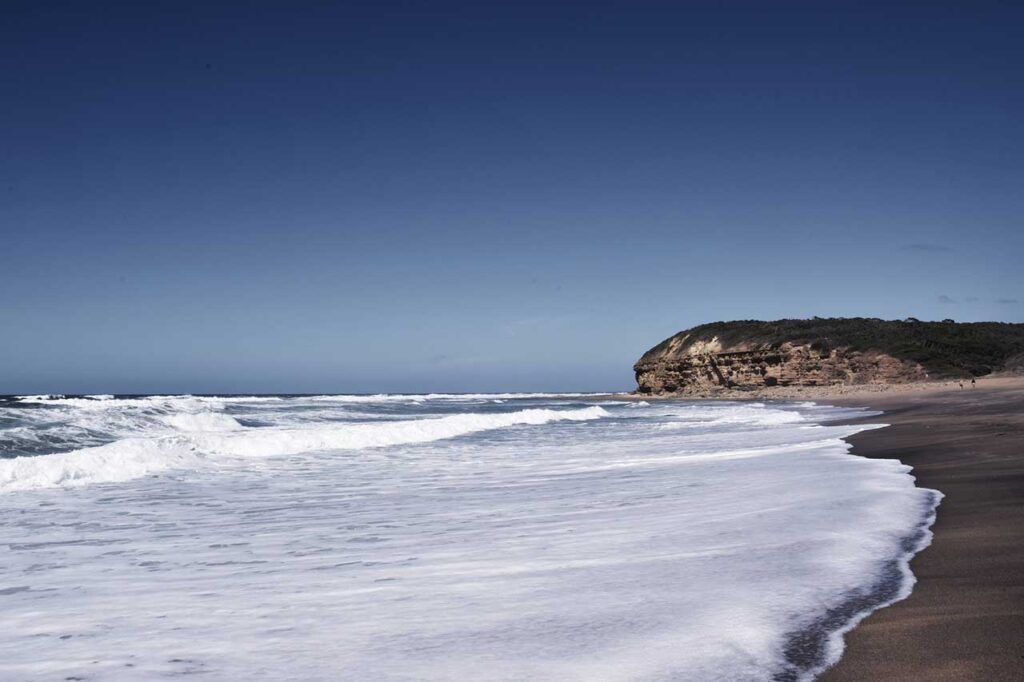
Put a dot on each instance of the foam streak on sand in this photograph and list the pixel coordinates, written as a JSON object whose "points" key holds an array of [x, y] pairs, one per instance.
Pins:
{"points": [[442, 538]]}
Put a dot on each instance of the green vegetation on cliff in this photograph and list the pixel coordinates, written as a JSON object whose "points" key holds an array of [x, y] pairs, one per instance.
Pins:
{"points": [[944, 349]]}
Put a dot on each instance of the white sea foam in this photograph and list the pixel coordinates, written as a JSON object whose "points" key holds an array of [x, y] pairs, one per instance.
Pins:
{"points": [[211, 435], [506, 396], [376, 398], [490, 541], [119, 461], [202, 422], [375, 435], [422, 397], [746, 416], [96, 403], [111, 402]]}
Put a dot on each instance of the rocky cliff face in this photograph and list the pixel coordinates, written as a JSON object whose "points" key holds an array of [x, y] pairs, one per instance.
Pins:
{"points": [[752, 354], [787, 365]]}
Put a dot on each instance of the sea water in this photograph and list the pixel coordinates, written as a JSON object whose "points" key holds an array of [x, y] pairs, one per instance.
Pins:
{"points": [[440, 537]]}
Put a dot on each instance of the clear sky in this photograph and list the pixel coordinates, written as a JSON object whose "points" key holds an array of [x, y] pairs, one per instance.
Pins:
{"points": [[433, 196]]}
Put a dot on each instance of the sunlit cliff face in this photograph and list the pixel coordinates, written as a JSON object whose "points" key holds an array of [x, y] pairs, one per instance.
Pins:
{"points": [[701, 369]]}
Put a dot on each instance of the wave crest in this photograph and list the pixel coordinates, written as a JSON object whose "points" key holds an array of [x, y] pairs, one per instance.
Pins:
{"points": [[207, 436]]}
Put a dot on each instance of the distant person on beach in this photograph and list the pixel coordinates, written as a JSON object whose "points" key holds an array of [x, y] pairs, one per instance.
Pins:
{"points": [[973, 382]]}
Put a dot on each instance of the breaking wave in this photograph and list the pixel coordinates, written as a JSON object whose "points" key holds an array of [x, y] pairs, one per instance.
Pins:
{"points": [[203, 436], [671, 540]]}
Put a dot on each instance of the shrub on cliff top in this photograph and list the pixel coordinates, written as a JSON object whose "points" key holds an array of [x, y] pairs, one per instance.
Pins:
{"points": [[944, 348]]}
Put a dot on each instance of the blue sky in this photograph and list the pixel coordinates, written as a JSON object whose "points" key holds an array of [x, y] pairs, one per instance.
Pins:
{"points": [[261, 197]]}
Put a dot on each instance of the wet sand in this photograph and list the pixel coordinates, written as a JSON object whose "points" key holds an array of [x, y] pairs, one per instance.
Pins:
{"points": [[965, 617]]}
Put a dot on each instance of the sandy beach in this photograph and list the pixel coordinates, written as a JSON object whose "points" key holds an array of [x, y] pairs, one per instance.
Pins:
{"points": [[822, 527], [965, 618]]}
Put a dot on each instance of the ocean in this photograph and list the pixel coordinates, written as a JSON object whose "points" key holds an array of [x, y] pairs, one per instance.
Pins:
{"points": [[441, 537]]}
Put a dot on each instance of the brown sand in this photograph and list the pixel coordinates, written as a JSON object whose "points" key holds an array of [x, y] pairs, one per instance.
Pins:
{"points": [[965, 617]]}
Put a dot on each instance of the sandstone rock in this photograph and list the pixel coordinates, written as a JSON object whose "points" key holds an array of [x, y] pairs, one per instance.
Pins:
{"points": [[751, 355]]}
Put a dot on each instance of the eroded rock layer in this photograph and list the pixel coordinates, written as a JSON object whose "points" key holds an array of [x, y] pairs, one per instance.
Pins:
{"points": [[820, 352], [787, 365]]}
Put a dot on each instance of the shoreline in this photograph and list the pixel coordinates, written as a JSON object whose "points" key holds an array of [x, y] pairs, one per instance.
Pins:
{"points": [[815, 649], [964, 618], [849, 395]]}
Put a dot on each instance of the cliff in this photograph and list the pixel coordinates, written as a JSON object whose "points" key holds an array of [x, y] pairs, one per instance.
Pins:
{"points": [[752, 354]]}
